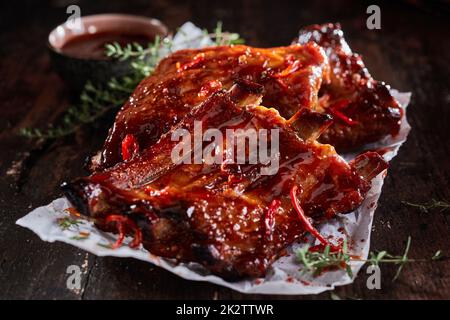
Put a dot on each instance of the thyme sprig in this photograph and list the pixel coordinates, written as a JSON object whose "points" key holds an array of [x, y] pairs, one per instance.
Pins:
{"points": [[135, 50], [385, 257], [66, 223], [427, 207], [317, 262], [80, 237], [97, 100], [222, 38], [105, 245]]}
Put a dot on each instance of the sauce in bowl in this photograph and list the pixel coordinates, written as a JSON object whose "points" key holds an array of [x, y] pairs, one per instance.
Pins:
{"points": [[98, 30], [92, 46], [80, 55]]}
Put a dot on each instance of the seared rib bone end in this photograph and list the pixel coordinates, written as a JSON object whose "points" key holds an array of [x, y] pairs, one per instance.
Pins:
{"points": [[369, 164], [309, 125]]}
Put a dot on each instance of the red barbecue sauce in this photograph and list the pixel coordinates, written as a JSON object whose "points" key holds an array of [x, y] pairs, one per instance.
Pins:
{"points": [[92, 46]]}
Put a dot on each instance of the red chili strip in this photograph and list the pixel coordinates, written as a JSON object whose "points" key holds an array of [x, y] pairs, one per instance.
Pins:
{"points": [[130, 147], [336, 110], [340, 104], [338, 114], [74, 212], [304, 219], [121, 223]]}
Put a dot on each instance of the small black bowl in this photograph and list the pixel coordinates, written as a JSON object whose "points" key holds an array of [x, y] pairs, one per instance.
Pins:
{"points": [[76, 71]]}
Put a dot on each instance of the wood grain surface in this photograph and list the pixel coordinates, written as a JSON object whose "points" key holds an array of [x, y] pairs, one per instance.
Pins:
{"points": [[410, 52]]}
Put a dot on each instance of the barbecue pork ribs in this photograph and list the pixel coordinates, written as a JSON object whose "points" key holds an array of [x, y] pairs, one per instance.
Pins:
{"points": [[228, 217], [319, 63], [291, 77], [363, 108]]}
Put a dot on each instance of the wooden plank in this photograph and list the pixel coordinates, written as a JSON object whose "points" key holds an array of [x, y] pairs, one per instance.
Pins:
{"points": [[410, 52]]}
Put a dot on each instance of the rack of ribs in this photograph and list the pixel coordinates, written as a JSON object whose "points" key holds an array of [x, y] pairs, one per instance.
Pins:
{"points": [[290, 75], [363, 108], [318, 72], [230, 218]]}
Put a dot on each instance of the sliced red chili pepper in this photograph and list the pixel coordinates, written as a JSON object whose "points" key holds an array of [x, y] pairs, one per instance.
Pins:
{"points": [[336, 110], [340, 104], [122, 222], [74, 212], [130, 147], [338, 114], [304, 219], [119, 240]]}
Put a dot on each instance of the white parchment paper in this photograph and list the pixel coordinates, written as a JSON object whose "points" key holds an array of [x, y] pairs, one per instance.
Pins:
{"points": [[284, 277]]}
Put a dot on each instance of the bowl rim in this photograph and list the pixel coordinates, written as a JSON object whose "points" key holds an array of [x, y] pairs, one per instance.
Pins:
{"points": [[89, 20]]}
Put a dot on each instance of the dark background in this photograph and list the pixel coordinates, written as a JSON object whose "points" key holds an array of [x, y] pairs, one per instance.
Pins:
{"points": [[410, 52]]}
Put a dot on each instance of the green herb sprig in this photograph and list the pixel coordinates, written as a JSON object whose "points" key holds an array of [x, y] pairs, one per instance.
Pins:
{"points": [[427, 207], [80, 237], [317, 262], [97, 100], [222, 38], [66, 223]]}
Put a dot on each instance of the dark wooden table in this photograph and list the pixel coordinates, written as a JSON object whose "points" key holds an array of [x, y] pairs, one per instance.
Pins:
{"points": [[411, 52]]}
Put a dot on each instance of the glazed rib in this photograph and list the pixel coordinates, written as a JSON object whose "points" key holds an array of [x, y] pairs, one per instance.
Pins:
{"points": [[364, 110], [290, 75], [230, 218]]}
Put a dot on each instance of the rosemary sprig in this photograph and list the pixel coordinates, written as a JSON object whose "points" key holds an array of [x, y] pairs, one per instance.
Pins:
{"points": [[79, 237], [401, 261], [94, 103], [103, 245], [225, 38], [427, 207], [115, 50], [135, 50], [82, 235], [96, 100], [317, 262], [66, 223]]}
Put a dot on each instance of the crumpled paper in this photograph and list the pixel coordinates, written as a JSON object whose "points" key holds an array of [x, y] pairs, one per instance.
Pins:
{"points": [[53, 223]]}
